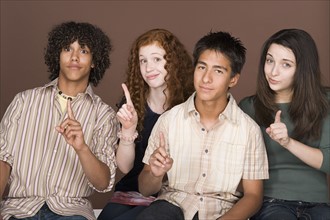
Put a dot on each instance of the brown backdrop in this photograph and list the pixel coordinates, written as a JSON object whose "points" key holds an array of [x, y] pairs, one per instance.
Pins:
{"points": [[25, 24]]}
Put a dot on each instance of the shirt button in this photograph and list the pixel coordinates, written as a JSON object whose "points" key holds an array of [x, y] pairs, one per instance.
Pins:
{"points": [[206, 151], [204, 175], [196, 113], [198, 194], [201, 199], [203, 129]]}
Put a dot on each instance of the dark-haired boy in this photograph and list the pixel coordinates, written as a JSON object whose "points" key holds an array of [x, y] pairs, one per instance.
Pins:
{"points": [[211, 153], [58, 141]]}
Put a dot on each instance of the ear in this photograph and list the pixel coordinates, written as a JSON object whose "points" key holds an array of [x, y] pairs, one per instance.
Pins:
{"points": [[234, 80]]}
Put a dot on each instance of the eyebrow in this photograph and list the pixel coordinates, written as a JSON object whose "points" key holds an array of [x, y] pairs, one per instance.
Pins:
{"points": [[215, 66]]}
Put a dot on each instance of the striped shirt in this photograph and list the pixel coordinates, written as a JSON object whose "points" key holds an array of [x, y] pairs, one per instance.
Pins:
{"points": [[208, 165], [44, 168]]}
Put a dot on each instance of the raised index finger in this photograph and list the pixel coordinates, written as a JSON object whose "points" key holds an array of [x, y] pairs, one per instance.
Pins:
{"points": [[278, 117], [162, 147], [70, 112], [127, 95]]}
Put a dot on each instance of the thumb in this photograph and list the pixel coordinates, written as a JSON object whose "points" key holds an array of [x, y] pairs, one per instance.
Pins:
{"points": [[278, 117]]}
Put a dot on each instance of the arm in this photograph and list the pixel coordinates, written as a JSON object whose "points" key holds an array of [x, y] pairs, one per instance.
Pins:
{"points": [[150, 178], [279, 133], [96, 171], [249, 204], [309, 155], [148, 183], [4, 176], [126, 148]]}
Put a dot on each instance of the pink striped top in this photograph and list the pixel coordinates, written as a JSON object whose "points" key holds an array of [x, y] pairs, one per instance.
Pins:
{"points": [[44, 167]]}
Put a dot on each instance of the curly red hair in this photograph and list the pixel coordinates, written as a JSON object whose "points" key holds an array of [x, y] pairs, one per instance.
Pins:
{"points": [[179, 67]]}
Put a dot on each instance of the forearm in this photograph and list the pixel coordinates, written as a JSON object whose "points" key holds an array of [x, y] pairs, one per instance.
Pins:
{"points": [[125, 156], [309, 155], [148, 183], [4, 176], [246, 207], [95, 170]]}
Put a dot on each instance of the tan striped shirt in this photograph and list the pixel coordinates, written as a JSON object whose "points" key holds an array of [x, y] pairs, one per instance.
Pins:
{"points": [[44, 167], [208, 165]]}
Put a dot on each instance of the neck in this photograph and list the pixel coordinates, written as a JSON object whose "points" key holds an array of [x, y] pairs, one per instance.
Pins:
{"points": [[71, 88], [283, 97], [157, 101], [209, 111]]}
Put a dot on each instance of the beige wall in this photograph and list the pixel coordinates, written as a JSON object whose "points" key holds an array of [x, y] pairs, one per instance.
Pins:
{"points": [[25, 24]]}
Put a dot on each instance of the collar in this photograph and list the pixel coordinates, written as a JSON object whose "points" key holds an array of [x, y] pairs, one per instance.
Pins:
{"points": [[89, 91], [229, 113]]}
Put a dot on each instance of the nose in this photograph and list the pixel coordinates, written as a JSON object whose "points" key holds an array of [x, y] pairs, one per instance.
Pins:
{"points": [[150, 66], [207, 78], [75, 56], [274, 71]]}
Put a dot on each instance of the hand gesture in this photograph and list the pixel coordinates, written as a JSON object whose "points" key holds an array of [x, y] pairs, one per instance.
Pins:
{"points": [[127, 114], [71, 130], [278, 131], [160, 162]]}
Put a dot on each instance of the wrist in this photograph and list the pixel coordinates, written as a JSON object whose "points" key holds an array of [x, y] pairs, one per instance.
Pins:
{"points": [[127, 138]]}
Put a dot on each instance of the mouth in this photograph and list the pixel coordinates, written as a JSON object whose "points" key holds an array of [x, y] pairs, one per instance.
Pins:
{"points": [[205, 89], [74, 67], [151, 77], [272, 81]]}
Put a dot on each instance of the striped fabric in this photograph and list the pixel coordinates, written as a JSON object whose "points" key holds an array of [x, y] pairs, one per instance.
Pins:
{"points": [[208, 165], [44, 167]]}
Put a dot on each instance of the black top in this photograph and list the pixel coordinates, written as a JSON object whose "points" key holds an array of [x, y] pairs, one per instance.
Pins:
{"points": [[130, 181]]}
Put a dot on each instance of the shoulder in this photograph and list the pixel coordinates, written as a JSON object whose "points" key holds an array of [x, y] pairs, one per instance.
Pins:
{"points": [[30, 93], [327, 90], [247, 101], [101, 106], [246, 118], [247, 105]]}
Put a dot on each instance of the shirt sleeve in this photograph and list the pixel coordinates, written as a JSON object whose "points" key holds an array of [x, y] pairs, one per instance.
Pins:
{"points": [[8, 129], [256, 161], [325, 145], [105, 140]]}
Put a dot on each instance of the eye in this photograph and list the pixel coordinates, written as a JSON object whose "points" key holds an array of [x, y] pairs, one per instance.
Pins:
{"points": [[286, 65], [84, 51], [66, 49], [157, 59], [142, 61], [218, 71], [199, 67], [268, 60]]}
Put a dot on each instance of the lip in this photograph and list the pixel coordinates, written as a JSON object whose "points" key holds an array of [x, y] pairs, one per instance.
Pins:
{"points": [[74, 67], [204, 88], [152, 76], [272, 81]]}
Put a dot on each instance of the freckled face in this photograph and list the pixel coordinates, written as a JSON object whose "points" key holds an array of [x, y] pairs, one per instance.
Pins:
{"points": [[279, 68], [152, 65]]}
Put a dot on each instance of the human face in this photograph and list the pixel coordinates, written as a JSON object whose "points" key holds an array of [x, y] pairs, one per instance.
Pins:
{"points": [[152, 65], [280, 67], [212, 77], [75, 63]]}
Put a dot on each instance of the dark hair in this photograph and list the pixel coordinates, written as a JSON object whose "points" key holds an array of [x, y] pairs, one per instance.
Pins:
{"points": [[224, 43], [307, 116], [86, 34], [179, 78]]}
